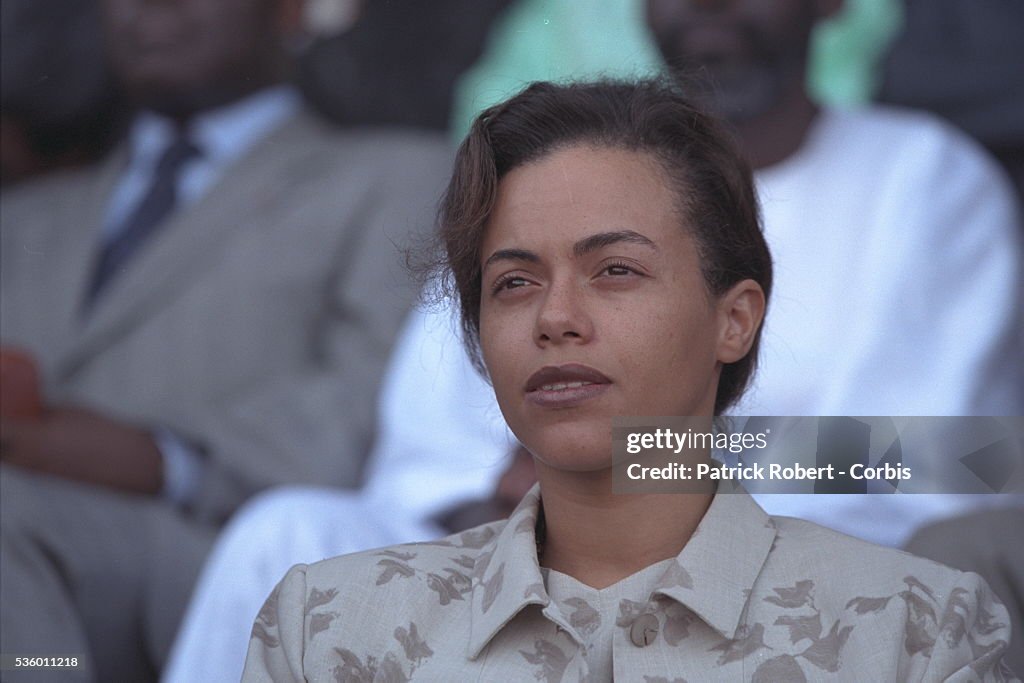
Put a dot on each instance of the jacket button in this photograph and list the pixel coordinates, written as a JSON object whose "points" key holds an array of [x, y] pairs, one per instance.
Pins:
{"points": [[644, 630]]}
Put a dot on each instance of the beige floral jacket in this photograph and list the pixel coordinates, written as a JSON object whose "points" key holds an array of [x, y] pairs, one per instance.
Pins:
{"points": [[750, 598]]}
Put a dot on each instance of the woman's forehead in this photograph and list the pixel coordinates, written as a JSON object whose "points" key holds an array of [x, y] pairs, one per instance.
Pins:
{"points": [[575, 192]]}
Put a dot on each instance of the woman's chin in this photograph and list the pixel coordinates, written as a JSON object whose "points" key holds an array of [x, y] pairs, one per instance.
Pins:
{"points": [[573, 450]]}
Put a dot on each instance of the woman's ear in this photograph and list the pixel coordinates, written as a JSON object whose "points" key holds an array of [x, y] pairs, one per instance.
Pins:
{"points": [[740, 313]]}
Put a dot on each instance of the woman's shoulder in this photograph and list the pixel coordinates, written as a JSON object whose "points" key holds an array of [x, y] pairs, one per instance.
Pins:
{"points": [[344, 609], [383, 566], [845, 596], [848, 566], [798, 538], [444, 568]]}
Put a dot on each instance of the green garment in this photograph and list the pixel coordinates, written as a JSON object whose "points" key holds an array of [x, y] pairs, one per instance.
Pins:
{"points": [[557, 39]]}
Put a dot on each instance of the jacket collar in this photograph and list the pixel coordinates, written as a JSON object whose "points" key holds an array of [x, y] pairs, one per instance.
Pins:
{"points": [[713, 576], [715, 573], [506, 576]]}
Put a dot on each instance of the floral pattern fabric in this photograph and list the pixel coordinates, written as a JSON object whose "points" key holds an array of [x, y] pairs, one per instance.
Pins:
{"points": [[750, 598]]}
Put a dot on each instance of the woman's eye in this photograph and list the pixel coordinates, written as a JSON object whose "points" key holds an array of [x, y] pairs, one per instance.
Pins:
{"points": [[509, 282], [618, 270]]}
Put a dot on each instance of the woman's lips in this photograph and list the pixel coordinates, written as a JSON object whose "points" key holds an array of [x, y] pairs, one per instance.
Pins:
{"points": [[565, 386]]}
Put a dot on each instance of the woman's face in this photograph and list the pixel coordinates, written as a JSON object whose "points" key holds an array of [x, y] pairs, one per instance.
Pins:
{"points": [[593, 304]]}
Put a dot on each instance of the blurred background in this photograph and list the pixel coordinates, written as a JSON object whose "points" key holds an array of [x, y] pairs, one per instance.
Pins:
{"points": [[432, 455], [399, 62]]}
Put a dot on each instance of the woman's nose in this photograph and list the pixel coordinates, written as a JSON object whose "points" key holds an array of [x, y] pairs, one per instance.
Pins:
{"points": [[562, 316]]}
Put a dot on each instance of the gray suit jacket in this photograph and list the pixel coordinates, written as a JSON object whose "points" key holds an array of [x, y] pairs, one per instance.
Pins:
{"points": [[258, 322]]}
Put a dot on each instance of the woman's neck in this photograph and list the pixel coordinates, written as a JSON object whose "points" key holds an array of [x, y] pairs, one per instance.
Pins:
{"points": [[600, 538]]}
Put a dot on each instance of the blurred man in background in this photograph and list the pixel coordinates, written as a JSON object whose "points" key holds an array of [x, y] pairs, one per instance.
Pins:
{"points": [[892, 232], [209, 311]]}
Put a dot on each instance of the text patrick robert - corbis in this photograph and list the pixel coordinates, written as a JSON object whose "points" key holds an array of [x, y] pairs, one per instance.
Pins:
{"points": [[666, 440]]}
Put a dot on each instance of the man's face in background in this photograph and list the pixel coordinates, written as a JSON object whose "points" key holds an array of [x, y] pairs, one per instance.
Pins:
{"points": [[751, 51], [180, 56]]}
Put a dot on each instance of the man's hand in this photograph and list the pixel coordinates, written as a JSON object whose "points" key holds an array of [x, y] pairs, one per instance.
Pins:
{"points": [[78, 444]]}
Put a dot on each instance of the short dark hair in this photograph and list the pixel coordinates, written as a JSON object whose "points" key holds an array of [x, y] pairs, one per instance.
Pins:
{"points": [[713, 185]]}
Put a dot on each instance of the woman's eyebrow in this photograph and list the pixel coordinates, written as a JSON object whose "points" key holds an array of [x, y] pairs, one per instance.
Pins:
{"points": [[512, 255], [581, 248], [604, 239]]}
